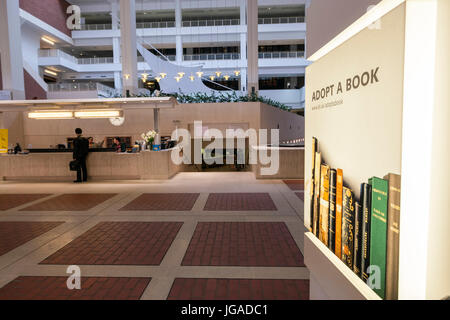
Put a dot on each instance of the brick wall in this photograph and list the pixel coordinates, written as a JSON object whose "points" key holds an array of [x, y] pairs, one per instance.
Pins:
{"points": [[32, 88], [52, 12]]}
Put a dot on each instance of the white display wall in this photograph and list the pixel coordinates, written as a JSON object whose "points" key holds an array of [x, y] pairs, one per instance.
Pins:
{"points": [[373, 113]]}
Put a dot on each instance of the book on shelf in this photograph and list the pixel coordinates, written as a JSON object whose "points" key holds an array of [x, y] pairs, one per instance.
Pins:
{"points": [[393, 233], [316, 212], [348, 226], [357, 240], [378, 232], [366, 202], [338, 230], [324, 203], [332, 212], [311, 188]]}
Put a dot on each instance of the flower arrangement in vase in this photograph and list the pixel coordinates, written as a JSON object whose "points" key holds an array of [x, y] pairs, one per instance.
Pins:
{"points": [[149, 137]]}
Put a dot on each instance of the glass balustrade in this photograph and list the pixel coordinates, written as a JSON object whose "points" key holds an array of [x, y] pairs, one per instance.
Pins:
{"points": [[197, 23]]}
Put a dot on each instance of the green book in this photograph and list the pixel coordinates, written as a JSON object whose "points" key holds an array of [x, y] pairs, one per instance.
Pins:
{"points": [[378, 233]]}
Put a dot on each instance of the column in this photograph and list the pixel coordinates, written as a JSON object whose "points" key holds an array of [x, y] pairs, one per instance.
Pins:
{"points": [[128, 46], [11, 49], [252, 46], [243, 45], [178, 25], [116, 43]]}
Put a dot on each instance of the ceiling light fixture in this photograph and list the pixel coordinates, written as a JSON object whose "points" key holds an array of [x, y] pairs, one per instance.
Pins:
{"points": [[50, 72], [98, 114], [42, 115], [163, 75], [48, 40], [199, 74]]}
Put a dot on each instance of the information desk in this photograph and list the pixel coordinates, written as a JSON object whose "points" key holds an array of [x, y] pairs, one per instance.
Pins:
{"points": [[53, 166]]}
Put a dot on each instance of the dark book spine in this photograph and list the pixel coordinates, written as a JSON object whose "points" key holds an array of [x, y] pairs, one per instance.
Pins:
{"points": [[366, 200], [393, 233], [332, 212], [348, 227], [358, 240]]}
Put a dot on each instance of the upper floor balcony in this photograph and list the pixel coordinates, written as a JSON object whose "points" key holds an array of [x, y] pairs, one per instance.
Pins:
{"points": [[196, 23], [273, 62]]}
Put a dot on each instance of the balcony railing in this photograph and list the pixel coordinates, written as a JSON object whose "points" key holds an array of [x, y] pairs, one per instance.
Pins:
{"points": [[155, 25], [281, 20], [55, 53], [211, 23], [96, 60], [105, 26], [79, 86], [196, 23], [215, 56], [281, 55]]}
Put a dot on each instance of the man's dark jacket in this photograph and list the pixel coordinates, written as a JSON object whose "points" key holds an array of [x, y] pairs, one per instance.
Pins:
{"points": [[80, 148]]}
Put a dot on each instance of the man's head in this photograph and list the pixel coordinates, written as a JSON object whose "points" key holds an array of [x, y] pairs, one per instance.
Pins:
{"points": [[91, 140], [78, 131], [117, 140]]}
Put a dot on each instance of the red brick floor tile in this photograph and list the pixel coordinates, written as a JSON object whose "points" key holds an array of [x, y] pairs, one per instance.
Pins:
{"points": [[71, 202], [14, 234], [239, 202], [163, 202], [295, 184], [119, 243], [9, 201], [258, 244], [300, 195], [92, 288], [239, 289]]}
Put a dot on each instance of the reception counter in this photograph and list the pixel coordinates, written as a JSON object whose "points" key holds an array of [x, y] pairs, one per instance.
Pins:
{"points": [[52, 166]]}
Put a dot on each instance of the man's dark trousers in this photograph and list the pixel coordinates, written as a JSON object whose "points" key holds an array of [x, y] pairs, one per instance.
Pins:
{"points": [[82, 169]]}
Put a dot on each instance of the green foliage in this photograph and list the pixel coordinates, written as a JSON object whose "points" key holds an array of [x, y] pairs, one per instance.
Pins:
{"points": [[215, 98]]}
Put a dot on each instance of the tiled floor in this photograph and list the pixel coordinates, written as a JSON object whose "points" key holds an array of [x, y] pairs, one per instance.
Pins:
{"points": [[239, 202], [119, 243], [192, 237], [252, 244], [55, 288], [163, 202], [239, 289], [71, 202], [295, 184], [9, 201], [15, 233]]}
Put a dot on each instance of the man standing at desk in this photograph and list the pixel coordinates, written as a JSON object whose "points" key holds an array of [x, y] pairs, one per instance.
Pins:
{"points": [[80, 152]]}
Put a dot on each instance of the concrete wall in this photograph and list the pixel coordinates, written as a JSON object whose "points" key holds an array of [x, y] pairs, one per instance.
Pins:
{"points": [[327, 18], [42, 133]]}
